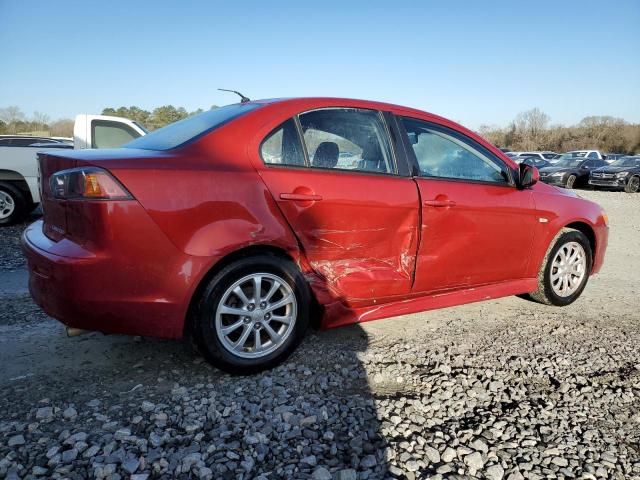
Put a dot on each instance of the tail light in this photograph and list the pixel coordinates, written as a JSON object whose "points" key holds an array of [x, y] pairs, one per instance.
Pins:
{"points": [[87, 183]]}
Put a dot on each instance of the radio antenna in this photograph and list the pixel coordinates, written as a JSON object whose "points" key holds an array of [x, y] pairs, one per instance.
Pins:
{"points": [[243, 99]]}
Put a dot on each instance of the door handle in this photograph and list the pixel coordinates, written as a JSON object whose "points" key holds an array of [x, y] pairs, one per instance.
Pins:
{"points": [[439, 203], [300, 197]]}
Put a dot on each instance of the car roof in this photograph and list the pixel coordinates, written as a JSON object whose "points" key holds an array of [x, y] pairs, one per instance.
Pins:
{"points": [[328, 102]]}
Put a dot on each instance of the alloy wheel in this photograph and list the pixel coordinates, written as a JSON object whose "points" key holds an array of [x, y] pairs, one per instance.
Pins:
{"points": [[7, 205], [256, 315], [568, 269]]}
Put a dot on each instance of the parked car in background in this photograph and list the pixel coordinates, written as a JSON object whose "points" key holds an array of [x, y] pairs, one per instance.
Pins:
{"points": [[570, 171], [542, 155], [612, 157], [534, 161], [25, 140], [241, 226], [19, 193], [590, 154], [623, 174]]}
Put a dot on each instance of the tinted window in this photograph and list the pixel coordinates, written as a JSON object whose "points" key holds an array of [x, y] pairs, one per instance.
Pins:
{"points": [[443, 153], [347, 139], [178, 133], [592, 155], [282, 146], [5, 142], [107, 134]]}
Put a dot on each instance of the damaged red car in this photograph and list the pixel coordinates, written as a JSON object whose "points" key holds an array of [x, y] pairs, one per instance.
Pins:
{"points": [[242, 226]]}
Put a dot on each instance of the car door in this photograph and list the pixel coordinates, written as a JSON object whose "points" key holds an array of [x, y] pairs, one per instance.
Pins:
{"points": [[334, 176], [477, 227]]}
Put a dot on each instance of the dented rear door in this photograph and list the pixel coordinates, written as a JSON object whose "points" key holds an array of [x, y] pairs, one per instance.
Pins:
{"points": [[333, 175], [359, 235]]}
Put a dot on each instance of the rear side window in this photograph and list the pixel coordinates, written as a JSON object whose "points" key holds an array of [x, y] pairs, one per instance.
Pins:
{"points": [[177, 134], [347, 139], [282, 146], [107, 134]]}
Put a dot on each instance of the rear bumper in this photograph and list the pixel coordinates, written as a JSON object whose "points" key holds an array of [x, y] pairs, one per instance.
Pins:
{"points": [[111, 293]]}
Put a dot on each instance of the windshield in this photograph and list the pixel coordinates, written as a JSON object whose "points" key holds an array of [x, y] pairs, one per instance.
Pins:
{"points": [[569, 162], [178, 133], [627, 162]]}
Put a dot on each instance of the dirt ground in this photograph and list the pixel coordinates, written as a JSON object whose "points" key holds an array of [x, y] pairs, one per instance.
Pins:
{"points": [[583, 360]]}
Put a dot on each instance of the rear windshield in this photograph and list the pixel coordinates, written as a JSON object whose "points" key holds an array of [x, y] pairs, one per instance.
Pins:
{"points": [[179, 133]]}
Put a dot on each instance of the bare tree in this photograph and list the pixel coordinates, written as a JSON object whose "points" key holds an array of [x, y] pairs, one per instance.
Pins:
{"points": [[11, 114], [41, 120], [532, 126], [62, 128]]}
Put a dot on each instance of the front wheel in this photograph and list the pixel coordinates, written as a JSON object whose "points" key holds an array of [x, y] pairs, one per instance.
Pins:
{"points": [[253, 314], [571, 181], [565, 270], [633, 185], [13, 206]]}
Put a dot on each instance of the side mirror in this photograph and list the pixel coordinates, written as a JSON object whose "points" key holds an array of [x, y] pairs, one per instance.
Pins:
{"points": [[529, 175]]}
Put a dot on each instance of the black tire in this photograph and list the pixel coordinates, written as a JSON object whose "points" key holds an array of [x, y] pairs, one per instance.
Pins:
{"points": [[205, 334], [545, 293], [633, 185], [571, 181], [20, 205]]}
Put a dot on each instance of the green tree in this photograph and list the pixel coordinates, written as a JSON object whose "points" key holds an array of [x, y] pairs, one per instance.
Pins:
{"points": [[165, 115]]}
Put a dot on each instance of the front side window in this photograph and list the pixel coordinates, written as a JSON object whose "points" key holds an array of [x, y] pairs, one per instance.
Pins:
{"points": [[347, 139], [282, 146], [443, 153], [592, 155]]}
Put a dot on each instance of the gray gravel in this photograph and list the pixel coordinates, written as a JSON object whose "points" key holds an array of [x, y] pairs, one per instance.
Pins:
{"points": [[505, 389], [11, 257]]}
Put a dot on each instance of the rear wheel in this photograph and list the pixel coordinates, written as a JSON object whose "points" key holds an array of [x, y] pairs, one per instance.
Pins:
{"points": [[571, 181], [633, 185], [565, 270], [13, 205], [253, 314]]}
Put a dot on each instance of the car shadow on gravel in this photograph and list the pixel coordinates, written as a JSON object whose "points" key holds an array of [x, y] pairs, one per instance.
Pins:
{"points": [[158, 404]]}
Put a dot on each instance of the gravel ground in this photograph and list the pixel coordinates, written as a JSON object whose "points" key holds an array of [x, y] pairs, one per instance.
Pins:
{"points": [[502, 389], [11, 257]]}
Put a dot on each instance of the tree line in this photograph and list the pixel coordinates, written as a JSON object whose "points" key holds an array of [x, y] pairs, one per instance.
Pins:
{"points": [[14, 121], [531, 130], [156, 118]]}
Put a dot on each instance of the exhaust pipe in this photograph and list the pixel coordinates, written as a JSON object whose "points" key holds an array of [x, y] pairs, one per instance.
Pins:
{"points": [[74, 332]]}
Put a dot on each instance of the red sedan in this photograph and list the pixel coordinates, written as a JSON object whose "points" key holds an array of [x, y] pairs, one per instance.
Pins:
{"points": [[243, 225]]}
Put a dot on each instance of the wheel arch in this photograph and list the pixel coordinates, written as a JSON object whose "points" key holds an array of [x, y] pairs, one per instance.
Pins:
{"points": [[245, 252], [588, 232], [17, 180]]}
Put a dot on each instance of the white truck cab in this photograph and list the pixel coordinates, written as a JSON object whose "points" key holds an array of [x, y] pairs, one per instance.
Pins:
{"points": [[101, 131], [19, 192]]}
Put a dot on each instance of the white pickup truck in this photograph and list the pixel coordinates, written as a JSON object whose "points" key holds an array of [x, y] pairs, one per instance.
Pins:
{"points": [[19, 192]]}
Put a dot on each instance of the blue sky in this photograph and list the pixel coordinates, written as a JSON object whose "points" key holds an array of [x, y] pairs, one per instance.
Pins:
{"points": [[474, 62]]}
